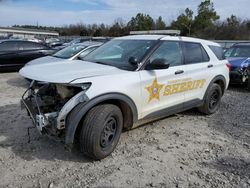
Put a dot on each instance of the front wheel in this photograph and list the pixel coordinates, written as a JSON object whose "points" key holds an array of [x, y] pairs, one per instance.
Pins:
{"points": [[212, 100], [101, 131]]}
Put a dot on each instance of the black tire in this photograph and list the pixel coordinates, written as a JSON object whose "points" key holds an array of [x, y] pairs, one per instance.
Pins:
{"points": [[212, 100], [101, 131]]}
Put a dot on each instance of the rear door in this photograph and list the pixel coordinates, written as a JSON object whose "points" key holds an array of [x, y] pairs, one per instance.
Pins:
{"points": [[8, 55], [198, 67], [29, 51]]}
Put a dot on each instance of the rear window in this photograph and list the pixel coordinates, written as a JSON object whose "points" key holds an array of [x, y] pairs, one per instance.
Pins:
{"points": [[218, 51], [195, 53]]}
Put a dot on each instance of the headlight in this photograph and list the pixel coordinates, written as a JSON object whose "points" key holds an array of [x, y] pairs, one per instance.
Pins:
{"points": [[83, 86], [246, 63]]}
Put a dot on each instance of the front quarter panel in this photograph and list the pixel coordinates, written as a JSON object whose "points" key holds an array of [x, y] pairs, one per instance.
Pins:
{"points": [[125, 83]]}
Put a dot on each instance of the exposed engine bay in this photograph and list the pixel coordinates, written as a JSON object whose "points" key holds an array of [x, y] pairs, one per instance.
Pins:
{"points": [[245, 72], [52, 97], [48, 105]]}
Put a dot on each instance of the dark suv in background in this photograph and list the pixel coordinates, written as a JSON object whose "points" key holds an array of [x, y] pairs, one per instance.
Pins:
{"points": [[14, 54]]}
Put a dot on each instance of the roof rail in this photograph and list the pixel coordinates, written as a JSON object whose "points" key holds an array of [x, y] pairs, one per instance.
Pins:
{"points": [[157, 32]]}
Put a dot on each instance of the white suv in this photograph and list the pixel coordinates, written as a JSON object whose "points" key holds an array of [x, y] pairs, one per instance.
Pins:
{"points": [[122, 84]]}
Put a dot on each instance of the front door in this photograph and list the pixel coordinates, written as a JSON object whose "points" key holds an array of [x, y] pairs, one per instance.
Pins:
{"points": [[163, 89]]}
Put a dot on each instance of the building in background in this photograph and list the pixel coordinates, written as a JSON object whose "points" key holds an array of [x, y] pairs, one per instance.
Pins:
{"points": [[23, 33]]}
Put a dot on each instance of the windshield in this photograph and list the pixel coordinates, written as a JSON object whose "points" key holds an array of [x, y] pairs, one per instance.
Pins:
{"points": [[238, 51], [69, 51], [118, 52]]}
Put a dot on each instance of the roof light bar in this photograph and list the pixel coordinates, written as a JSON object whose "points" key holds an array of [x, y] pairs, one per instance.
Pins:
{"points": [[157, 32]]}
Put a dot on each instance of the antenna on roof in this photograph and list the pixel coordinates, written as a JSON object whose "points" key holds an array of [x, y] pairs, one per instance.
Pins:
{"points": [[157, 32]]}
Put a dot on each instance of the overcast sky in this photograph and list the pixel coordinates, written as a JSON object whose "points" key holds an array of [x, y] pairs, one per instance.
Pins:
{"points": [[61, 12]]}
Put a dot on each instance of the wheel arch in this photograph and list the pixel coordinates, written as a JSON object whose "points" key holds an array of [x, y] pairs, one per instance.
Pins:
{"points": [[74, 118], [220, 80]]}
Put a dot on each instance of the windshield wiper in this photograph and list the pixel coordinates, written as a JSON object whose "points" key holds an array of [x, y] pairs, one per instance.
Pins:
{"points": [[56, 56], [60, 57], [100, 62]]}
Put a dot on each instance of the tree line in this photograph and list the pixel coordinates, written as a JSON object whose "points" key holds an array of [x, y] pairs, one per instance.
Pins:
{"points": [[205, 24]]}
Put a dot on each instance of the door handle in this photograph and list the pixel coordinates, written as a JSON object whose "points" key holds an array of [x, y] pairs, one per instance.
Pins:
{"points": [[179, 72], [210, 66]]}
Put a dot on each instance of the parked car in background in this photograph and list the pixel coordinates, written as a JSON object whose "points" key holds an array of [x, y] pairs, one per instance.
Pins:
{"points": [[83, 39], [239, 58], [53, 42], [76, 41], [73, 52], [14, 54], [35, 40]]}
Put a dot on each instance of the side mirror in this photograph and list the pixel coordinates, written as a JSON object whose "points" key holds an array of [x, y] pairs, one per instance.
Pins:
{"points": [[157, 64], [133, 61]]}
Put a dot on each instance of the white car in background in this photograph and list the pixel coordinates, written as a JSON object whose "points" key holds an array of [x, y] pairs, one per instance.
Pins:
{"points": [[73, 52]]}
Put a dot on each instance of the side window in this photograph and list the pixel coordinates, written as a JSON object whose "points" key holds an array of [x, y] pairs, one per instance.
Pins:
{"points": [[29, 46], [195, 53], [8, 46], [23, 46], [218, 51], [169, 51], [38, 46]]}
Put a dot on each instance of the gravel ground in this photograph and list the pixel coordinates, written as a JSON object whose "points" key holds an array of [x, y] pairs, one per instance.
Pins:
{"points": [[184, 150]]}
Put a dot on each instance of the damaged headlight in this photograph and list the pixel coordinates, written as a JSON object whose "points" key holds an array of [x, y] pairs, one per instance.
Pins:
{"points": [[245, 64], [83, 86]]}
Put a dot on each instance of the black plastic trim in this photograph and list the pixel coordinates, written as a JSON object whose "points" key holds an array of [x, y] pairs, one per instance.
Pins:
{"points": [[174, 109]]}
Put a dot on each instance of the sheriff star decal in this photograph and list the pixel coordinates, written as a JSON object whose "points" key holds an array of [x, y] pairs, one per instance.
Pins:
{"points": [[154, 90]]}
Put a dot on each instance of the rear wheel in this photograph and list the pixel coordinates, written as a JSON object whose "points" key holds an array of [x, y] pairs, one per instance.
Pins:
{"points": [[101, 131], [212, 100]]}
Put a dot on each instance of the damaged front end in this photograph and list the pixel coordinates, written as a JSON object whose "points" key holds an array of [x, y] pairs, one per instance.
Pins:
{"points": [[245, 74], [241, 74], [48, 104]]}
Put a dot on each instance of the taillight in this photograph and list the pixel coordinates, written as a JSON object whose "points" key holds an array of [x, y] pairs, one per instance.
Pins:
{"points": [[229, 66]]}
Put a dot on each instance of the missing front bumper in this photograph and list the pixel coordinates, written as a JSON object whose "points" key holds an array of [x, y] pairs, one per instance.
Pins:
{"points": [[40, 121]]}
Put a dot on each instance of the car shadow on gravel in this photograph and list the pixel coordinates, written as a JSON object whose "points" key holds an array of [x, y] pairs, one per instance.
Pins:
{"points": [[230, 165], [14, 125], [238, 88], [233, 117], [18, 82]]}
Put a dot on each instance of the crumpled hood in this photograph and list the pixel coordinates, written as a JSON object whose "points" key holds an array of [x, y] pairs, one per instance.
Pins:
{"points": [[238, 62], [66, 72], [46, 59]]}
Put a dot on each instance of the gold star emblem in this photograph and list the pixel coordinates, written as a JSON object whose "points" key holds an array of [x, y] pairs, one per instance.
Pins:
{"points": [[154, 90]]}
